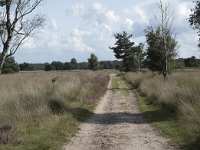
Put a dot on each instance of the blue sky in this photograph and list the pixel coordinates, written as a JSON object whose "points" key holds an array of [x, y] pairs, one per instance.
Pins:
{"points": [[76, 28]]}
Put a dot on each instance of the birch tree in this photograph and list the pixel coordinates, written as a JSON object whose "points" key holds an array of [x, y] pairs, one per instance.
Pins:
{"points": [[162, 44], [17, 25]]}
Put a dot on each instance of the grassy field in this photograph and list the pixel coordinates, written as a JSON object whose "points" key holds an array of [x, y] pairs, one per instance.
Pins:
{"points": [[42, 110], [172, 105]]}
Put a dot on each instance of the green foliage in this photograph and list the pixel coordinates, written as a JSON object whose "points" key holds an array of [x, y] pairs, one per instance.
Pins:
{"points": [[10, 66], [156, 53], [179, 63], [26, 66], [127, 51], [93, 62], [69, 66], [191, 62], [194, 19], [139, 55], [55, 65], [74, 64], [83, 65], [49, 67], [2, 3], [58, 65], [110, 65]]}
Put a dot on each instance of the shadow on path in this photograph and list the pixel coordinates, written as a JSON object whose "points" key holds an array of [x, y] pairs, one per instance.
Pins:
{"points": [[82, 114], [115, 118]]}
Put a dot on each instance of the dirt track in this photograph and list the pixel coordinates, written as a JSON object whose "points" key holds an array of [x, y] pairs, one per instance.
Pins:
{"points": [[117, 125]]}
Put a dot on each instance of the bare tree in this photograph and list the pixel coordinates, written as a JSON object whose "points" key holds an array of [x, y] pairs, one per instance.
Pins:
{"points": [[16, 27]]}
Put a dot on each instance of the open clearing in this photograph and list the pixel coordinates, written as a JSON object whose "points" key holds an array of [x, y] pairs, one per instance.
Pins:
{"points": [[117, 124]]}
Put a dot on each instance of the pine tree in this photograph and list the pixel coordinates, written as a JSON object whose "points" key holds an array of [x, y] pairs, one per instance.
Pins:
{"points": [[124, 50], [74, 64], [93, 62]]}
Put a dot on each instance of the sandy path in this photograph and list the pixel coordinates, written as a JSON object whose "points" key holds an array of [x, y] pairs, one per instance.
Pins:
{"points": [[117, 125]]}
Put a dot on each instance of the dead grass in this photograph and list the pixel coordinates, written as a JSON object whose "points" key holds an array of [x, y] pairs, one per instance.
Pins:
{"points": [[44, 114], [178, 94]]}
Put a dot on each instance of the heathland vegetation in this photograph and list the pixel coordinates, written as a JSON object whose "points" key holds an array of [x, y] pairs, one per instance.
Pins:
{"points": [[171, 104], [42, 110]]}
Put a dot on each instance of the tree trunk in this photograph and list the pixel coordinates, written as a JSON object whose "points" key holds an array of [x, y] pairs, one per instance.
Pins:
{"points": [[139, 65], [165, 69], [2, 61], [4, 55], [139, 68]]}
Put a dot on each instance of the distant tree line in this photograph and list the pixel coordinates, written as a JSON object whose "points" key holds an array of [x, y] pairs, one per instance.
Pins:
{"points": [[11, 65], [92, 64], [73, 64]]}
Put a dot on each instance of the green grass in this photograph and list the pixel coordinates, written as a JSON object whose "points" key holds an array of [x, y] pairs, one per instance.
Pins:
{"points": [[163, 119], [119, 84]]}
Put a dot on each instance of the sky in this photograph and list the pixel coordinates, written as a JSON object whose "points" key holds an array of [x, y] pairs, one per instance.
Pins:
{"points": [[77, 28]]}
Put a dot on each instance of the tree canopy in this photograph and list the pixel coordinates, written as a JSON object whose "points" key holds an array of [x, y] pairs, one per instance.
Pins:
{"points": [[194, 19], [93, 62], [127, 51], [162, 45]]}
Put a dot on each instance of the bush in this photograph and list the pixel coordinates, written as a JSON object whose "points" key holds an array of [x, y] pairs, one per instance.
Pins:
{"points": [[10, 66]]}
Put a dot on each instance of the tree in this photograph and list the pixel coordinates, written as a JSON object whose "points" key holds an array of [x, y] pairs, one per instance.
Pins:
{"points": [[194, 19], [106, 65], [48, 67], [83, 65], [191, 62], [15, 26], [74, 64], [67, 66], [57, 65], [131, 54], [124, 50], [93, 62], [10, 66], [26, 67], [162, 45], [140, 55]]}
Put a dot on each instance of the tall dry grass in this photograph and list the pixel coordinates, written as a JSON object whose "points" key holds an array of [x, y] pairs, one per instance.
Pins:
{"points": [[38, 112], [180, 91]]}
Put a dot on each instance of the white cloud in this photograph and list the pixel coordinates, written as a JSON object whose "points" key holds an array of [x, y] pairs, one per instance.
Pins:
{"points": [[98, 7], [78, 33], [54, 25], [93, 25], [111, 16], [76, 44], [96, 28], [50, 39], [77, 9], [128, 24]]}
